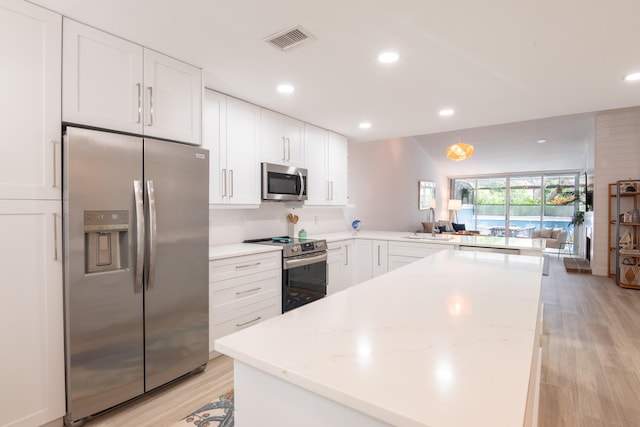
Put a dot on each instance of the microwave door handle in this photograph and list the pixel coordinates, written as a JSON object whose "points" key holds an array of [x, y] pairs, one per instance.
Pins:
{"points": [[301, 185]]}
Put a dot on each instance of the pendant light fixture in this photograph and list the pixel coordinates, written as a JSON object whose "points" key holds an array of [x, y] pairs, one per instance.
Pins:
{"points": [[460, 151]]}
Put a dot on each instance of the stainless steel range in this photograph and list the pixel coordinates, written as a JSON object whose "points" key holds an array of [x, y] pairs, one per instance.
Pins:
{"points": [[304, 269]]}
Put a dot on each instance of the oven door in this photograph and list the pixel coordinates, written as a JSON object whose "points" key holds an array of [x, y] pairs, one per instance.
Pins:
{"points": [[304, 279]]}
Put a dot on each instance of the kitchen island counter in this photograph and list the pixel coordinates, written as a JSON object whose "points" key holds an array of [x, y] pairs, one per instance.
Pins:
{"points": [[449, 340], [452, 241]]}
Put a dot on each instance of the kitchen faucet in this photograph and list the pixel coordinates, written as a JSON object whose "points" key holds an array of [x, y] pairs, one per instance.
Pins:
{"points": [[432, 216]]}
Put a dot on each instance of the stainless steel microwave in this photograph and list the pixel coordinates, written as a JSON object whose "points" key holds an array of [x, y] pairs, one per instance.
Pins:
{"points": [[281, 182]]}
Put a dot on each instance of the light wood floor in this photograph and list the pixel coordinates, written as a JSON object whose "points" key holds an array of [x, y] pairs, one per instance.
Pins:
{"points": [[168, 405], [591, 352], [590, 365]]}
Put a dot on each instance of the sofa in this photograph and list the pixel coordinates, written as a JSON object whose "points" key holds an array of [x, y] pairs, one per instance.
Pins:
{"points": [[446, 227], [555, 238]]}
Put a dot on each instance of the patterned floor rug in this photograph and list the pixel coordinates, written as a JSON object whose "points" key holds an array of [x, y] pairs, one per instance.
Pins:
{"points": [[214, 414]]}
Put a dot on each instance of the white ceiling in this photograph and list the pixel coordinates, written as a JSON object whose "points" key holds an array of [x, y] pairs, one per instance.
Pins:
{"points": [[493, 61]]}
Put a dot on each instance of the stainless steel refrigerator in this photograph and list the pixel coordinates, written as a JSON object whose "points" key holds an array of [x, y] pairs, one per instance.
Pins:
{"points": [[136, 230]]}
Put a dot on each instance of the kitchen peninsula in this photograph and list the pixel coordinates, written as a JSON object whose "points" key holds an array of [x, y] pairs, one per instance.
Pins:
{"points": [[447, 241], [450, 340]]}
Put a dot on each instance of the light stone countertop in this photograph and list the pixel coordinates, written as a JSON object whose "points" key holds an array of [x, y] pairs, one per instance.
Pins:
{"points": [[445, 341], [239, 249], [454, 239]]}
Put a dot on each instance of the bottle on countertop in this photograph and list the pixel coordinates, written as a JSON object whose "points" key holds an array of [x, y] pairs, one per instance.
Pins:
{"points": [[302, 234]]}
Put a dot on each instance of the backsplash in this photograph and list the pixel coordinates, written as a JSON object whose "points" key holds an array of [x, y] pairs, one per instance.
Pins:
{"points": [[228, 226]]}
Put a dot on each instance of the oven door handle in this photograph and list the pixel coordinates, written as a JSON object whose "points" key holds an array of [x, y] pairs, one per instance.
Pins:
{"points": [[289, 263]]}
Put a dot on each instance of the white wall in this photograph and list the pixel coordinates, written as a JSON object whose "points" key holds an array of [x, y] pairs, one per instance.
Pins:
{"points": [[383, 184], [617, 156], [229, 226]]}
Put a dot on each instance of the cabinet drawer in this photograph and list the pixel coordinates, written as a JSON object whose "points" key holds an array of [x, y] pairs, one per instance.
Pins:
{"points": [[231, 294], [335, 253], [248, 315], [229, 268]]}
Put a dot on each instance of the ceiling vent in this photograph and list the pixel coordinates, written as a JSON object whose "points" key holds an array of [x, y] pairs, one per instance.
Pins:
{"points": [[286, 39]]}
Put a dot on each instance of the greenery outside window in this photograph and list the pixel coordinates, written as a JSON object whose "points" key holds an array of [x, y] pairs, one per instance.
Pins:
{"points": [[516, 205]]}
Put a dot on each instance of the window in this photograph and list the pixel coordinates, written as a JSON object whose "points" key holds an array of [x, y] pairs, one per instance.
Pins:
{"points": [[517, 205]]}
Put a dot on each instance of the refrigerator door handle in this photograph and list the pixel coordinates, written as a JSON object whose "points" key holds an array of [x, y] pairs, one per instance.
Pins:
{"points": [[137, 191], [152, 235]]}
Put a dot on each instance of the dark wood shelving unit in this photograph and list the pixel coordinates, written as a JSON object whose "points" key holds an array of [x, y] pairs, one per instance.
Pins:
{"points": [[624, 253]]}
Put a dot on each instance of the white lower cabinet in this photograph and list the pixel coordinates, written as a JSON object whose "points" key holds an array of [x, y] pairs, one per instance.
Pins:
{"points": [[32, 390], [339, 265], [243, 290], [403, 253], [370, 259]]}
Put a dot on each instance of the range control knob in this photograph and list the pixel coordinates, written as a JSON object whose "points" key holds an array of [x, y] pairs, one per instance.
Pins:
{"points": [[320, 245], [295, 248]]}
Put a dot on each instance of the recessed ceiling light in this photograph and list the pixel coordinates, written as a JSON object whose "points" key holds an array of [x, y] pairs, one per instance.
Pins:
{"points": [[365, 125], [285, 88], [445, 112], [632, 77], [541, 141], [388, 57]]}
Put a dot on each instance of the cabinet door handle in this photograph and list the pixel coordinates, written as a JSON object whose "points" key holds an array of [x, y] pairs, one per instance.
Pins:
{"points": [[139, 102], [248, 292], [223, 182], [230, 182], [248, 265], [328, 190], [150, 106], [54, 181], [378, 254], [250, 321], [331, 190], [288, 149], [284, 149], [346, 255], [55, 236]]}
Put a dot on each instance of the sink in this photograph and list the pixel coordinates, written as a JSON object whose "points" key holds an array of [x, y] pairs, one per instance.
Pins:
{"points": [[424, 236]]}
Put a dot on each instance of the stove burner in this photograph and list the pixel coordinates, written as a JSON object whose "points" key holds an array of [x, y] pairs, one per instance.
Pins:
{"points": [[293, 246]]}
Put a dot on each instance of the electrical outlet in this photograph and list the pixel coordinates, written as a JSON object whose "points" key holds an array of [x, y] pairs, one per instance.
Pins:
{"points": [[316, 219]]}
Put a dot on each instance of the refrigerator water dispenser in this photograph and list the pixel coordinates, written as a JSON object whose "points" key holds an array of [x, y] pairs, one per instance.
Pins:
{"points": [[105, 240]]}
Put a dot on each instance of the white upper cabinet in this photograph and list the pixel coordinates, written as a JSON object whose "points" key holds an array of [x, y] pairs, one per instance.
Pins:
{"points": [[337, 169], [102, 79], [281, 139], [243, 162], [114, 84], [230, 132], [327, 165], [316, 142], [214, 138], [173, 98], [30, 48]]}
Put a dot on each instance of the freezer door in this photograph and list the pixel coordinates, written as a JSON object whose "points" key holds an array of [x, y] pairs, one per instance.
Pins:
{"points": [[103, 308], [176, 279]]}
